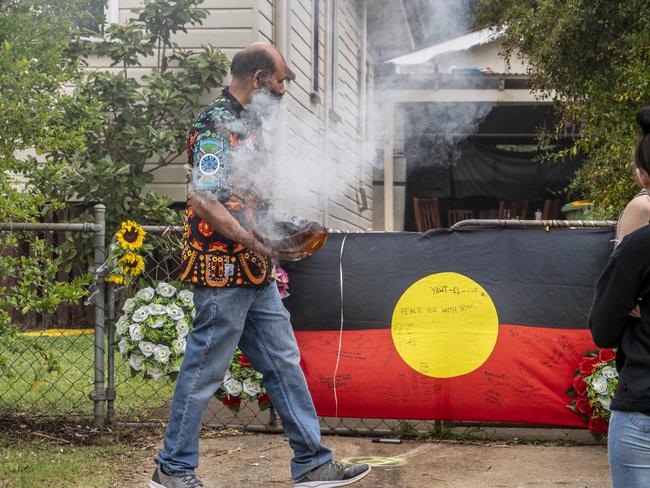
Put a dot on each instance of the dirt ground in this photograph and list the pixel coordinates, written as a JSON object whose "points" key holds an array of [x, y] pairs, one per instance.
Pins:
{"points": [[261, 460]]}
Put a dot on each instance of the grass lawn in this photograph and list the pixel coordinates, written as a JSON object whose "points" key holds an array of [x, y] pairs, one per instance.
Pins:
{"points": [[29, 462], [31, 390]]}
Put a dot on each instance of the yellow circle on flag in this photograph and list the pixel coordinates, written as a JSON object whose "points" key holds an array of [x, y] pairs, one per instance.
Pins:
{"points": [[445, 325]]}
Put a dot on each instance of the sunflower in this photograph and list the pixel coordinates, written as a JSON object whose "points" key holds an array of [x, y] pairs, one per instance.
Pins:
{"points": [[131, 235], [131, 263], [117, 279]]}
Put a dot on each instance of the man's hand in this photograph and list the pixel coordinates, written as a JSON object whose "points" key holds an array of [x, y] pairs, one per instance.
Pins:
{"points": [[636, 312], [216, 215], [196, 204]]}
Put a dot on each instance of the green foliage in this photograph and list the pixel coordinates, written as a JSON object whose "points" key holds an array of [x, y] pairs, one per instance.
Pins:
{"points": [[36, 61], [406, 430], [102, 141], [35, 289], [141, 122], [592, 58], [73, 135]]}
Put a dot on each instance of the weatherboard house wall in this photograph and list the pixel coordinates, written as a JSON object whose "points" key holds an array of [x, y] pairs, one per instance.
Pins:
{"points": [[321, 138]]}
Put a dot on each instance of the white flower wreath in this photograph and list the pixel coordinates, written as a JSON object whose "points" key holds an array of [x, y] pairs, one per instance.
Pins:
{"points": [[152, 335], [152, 330]]}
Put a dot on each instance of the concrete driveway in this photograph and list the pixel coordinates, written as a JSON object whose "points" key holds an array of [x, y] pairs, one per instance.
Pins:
{"points": [[261, 460]]}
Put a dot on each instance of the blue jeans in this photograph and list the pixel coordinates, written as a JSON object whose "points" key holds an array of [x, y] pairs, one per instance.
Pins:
{"points": [[628, 445], [255, 319]]}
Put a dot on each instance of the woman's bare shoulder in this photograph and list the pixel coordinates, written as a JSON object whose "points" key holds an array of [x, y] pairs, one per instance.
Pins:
{"points": [[638, 205], [635, 215]]}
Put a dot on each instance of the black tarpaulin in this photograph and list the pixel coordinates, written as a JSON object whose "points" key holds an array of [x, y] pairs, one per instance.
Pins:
{"points": [[485, 170]]}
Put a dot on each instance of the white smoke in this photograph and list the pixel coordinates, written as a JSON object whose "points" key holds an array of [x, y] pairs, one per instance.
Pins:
{"points": [[444, 19], [318, 168], [435, 131]]}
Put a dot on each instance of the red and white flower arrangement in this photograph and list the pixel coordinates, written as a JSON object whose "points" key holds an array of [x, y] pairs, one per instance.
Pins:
{"points": [[282, 279], [242, 382], [593, 387]]}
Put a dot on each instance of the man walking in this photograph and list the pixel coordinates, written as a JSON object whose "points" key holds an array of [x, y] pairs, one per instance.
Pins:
{"points": [[236, 300]]}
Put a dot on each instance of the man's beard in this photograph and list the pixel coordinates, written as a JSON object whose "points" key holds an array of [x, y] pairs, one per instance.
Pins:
{"points": [[264, 102]]}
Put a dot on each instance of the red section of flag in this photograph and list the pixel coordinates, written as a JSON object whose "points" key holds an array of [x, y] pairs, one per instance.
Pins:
{"points": [[524, 380]]}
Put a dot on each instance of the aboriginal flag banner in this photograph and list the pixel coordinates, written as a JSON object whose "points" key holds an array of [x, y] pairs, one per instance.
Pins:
{"points": [[478, 324]]}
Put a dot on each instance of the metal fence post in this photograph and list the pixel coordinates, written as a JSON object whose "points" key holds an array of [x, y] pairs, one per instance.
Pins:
{"points": [[99, 395], [110, 364], [273, 419]]}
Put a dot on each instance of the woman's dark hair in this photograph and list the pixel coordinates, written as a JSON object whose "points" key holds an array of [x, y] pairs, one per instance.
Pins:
{"points": [[643, 149], [246, 63]]}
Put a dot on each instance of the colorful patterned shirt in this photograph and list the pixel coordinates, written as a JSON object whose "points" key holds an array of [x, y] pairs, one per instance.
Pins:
{"points": [[225, 155]]}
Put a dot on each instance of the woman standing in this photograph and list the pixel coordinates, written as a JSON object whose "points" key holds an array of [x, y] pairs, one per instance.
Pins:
{"points": [[620, 317], [637, 212]]}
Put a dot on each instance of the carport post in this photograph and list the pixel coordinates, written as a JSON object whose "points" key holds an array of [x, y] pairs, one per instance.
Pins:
{"points": [[389, 148]]}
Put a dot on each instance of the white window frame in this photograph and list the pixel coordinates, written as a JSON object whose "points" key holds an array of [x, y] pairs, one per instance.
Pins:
{"points": [[315, 47], [112, 12], [111, 16], [334, 61]]}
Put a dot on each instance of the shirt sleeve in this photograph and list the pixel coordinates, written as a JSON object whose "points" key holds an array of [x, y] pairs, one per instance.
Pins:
{"points": [[210, 162], [614, 298]]}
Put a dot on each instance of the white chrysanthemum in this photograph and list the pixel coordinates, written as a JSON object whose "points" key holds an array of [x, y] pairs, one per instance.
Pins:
{"points": [[155, 373], [135, 331], [121, 327], [182, 329], [165, 290], [128, 306], [186, 297], [599, 384], [157, 324], [233, 387], [136, 361], [609, 372], [157, 309], [141, 314], [605, 401], [252, 387], [179, 346], [161, 353], [146, 348], [122, 346], [145, 293], [122, 320], [175, 312]]}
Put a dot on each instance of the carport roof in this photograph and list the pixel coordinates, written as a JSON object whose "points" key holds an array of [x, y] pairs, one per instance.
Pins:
{"points": [[461, 43]]}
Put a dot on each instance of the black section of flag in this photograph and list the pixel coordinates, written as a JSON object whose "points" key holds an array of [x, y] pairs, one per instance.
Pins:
{"points": [[534, 277]]}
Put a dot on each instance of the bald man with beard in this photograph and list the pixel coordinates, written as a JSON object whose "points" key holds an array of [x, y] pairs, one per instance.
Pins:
{"points": [[236, 301]]}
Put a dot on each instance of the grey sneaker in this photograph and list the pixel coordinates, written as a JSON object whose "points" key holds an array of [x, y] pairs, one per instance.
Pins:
{"points": [[162, 480], [332, 474]]}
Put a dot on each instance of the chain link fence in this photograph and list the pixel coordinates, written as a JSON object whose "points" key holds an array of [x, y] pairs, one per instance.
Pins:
{"points": [[50, 370], [90, 378], [139, 400]]}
